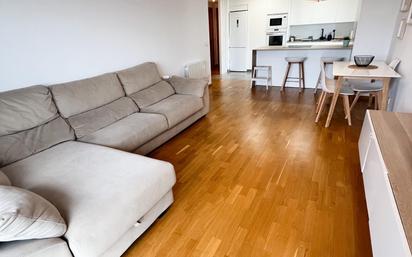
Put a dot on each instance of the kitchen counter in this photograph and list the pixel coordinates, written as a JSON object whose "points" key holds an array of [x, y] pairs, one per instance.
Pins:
{"points": [[302, 47], [394, 134], [274, 56]]}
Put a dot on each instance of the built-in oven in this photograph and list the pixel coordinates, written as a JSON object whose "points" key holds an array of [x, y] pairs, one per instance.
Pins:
{"points": [[276, 39], [277, 22]]}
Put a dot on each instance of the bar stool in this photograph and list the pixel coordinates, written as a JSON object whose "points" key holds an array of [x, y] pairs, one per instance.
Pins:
{"points": [[301, 79], [258, 70], [326, 61]]}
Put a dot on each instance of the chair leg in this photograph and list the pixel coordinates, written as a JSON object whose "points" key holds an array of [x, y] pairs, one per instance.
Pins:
{"points": [[355, 100], [285, 78], [303, 74], [347, 108], [322, 95], [322, 106]]}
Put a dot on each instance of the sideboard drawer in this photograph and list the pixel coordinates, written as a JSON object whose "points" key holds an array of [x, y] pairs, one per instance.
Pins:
{"points": [[364, 140], [387, 234], [373, 175]]}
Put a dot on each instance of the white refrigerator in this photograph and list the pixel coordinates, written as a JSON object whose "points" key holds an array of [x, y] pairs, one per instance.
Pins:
{"points": [[238, 39]]}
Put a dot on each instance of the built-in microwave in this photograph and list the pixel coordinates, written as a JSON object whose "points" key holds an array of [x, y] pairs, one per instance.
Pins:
{"points": [[277, 22], [276, 39]]}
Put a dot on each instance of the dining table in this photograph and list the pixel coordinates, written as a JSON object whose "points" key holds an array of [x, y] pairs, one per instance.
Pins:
{"points": [[378, 71]]}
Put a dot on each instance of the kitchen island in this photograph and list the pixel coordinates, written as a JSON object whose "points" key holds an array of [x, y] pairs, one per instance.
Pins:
{"points": [[275, 56]]}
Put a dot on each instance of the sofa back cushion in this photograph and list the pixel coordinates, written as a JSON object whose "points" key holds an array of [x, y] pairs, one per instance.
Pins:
{"points": [[25, 109], [88, 122], [83, 95], [29, 123], [153, 94], [139, 77]]}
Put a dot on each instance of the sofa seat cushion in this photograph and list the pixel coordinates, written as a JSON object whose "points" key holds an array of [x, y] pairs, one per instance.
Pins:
{"points": [[129, 133], [83, 95], [176, 108], [53, 247], [99, 191], [139, 77], [153, 94], [89, 122]]}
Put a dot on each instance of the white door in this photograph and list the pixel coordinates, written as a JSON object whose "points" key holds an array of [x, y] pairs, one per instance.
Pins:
{"points": [[238, 41]]}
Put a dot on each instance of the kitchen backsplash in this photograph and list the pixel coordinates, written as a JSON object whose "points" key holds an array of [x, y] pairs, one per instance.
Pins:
{"points": [[305, 31]]}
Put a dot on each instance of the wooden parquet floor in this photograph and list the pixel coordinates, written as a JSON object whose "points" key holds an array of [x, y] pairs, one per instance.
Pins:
{"points": [[257, 177]]}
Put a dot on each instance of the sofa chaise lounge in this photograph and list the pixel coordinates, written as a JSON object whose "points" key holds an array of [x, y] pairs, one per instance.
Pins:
{"points": [[75, 144]]}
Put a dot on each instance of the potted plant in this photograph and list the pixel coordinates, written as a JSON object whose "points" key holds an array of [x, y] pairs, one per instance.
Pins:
{"points": [[346, 41]]}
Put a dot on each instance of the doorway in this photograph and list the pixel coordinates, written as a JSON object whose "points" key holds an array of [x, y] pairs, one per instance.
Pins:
{"points": [[214, 36]]}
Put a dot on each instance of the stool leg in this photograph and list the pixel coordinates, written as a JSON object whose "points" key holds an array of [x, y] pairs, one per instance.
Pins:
{"points": [[317, 85], [285, 78], [253, 76], [300, 78], [303, 74]]}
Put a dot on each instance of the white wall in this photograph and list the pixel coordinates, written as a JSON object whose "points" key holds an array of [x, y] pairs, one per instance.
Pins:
{"points": [[48, 41], [376, 24], [402, 88]]}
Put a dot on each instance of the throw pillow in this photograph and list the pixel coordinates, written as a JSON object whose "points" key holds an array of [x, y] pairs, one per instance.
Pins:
{"points": [[26, 215]]}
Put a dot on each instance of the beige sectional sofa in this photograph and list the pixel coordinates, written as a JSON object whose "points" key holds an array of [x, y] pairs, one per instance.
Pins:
{"points": [[73, 144]]}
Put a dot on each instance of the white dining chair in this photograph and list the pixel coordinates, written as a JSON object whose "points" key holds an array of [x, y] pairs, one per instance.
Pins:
{"points": [[372, 87], [328, 89]]}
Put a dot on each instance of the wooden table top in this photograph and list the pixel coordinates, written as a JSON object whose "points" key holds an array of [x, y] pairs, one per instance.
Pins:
{"points": [[342, 69], [394, 134]]}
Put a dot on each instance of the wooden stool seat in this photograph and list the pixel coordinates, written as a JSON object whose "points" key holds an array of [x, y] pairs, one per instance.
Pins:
{"points": [[301, 79]]}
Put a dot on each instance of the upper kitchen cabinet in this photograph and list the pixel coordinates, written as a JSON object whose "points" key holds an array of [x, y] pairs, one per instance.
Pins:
{"points": [[329, 11], [348, 11], [278, 6]]}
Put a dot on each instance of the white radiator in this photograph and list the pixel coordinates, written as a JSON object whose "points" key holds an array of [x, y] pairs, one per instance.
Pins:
{"points": [[197, 70]]}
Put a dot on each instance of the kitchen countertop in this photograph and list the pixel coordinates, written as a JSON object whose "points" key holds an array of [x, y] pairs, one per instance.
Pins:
{"points": [[394, 134], [302, 47]]}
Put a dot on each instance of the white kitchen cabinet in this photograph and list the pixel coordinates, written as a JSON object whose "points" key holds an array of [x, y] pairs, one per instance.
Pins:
{"points": [[278, 6], [388, 237], [304, 12], [348, 10]]}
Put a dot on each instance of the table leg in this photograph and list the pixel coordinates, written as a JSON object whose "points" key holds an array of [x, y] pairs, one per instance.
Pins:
{"points": [[384, 95], [334, 100]]}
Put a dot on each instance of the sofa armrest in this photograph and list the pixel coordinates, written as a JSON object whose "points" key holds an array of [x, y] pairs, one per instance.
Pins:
{"points": [[185, 86]]}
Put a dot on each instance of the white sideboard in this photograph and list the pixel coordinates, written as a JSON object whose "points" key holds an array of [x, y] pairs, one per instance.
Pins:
{"points": [[387, 231]]}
